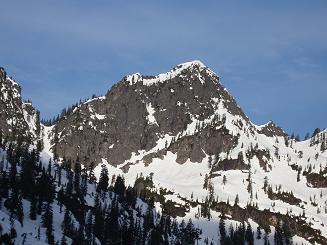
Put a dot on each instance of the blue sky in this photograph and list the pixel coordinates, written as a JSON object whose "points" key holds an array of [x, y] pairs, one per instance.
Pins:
{"points": [[271, 55]]}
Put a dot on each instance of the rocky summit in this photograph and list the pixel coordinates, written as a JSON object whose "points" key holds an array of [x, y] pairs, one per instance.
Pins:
{"points": [[141, 110]]}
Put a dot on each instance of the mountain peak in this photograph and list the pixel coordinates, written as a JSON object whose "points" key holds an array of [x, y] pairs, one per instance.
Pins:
{"points": [[15, 115], [7, 79], [3, 73], [271, 129], [194, 66], [192, 63]]}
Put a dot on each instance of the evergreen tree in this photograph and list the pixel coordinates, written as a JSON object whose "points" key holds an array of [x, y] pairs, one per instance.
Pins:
{"points": [[148, 219], [49, 169], [89, 227], [297, 138], [258, 232], [130, 236], [278, 238], [33, 208], [27, 174], [15, 205], [119, 187], [47, 222], [315, 132], [249, 235], [211, 191], [224, 179], [210, 161], [112, 228], [240, 234], [70, 185], [59, 174], [205, 184], [323, 146], [287, 233], [77, 176], [98, 218], [249, 187], [67, 225], [103, 180], [91, 176], [265, 239], [84, 182], [298, 174], [12, 172], [191, 233], [181, 233], [20, 210], [45, 187], [237, 200], [222, 230]]}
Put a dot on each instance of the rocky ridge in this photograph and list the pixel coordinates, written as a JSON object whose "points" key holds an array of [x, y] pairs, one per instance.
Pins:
{"points": [[19, 120]]}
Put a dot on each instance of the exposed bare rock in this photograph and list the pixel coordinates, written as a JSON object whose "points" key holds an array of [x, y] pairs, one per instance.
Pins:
{"points": [[140, 110], [18, 120], [271, 129]]}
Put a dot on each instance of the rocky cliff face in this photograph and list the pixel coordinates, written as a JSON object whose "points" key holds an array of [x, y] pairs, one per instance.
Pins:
{"points": [[18, 120], [141, 110]]}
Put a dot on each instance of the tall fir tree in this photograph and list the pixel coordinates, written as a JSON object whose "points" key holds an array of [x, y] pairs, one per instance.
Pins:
{"points": [[103, 180]]}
